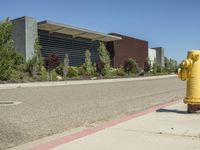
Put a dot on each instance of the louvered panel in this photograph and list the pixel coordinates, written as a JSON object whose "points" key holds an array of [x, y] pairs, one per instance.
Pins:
{"points": [[75, 48]]}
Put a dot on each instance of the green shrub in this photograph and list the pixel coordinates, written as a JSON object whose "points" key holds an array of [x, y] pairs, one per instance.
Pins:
{"points": [[6, 67], [18, 59], [54, 75], [5, 32], [45, 75], [170, 65], [104, 57], [16, 75], [154, 68], [81, 70], [39, 62], [94, 69], [31, 67], [72, 71], [131, 66], [35, 64], [88, 67], [120, 71], [60, 70], [7, 59], [112, 72], [21, 67], [159, 69]]}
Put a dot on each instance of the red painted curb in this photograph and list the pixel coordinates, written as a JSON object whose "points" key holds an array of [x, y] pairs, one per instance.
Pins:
{"points": [[72, 137]]}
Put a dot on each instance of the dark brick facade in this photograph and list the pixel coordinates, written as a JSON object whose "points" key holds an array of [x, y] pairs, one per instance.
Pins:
{"points": [[128, 47]]}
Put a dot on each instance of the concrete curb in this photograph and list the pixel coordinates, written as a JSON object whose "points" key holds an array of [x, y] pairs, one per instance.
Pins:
{"points": [[65, 139], [79, 82]]}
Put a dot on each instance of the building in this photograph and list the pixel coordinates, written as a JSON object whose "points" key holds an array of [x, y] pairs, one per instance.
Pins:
{"points": [[57, 38], [160, 56], [127, 47], [156, 55], [152, 56], [62, 39]]}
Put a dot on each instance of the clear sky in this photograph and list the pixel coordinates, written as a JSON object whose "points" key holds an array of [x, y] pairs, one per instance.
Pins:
{"points": [[172, 24]]}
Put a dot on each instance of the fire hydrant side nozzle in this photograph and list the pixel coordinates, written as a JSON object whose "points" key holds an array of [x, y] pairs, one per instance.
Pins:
{"points": [[183, 70], [187, 63], [189, 70]]}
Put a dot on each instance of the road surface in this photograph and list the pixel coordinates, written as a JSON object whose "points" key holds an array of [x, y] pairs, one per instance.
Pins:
{"points": [[45, 111]]}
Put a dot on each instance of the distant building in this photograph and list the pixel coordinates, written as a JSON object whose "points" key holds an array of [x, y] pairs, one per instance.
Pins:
{"points": [[127, 47], [156, 55], [152, 56]]}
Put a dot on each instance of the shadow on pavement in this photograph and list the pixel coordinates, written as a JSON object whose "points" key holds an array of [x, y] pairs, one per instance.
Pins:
{"points": [[172, 111]]}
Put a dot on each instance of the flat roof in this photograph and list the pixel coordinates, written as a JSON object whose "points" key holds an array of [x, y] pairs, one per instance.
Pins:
{"points": [[54, 27], [121, 35]]}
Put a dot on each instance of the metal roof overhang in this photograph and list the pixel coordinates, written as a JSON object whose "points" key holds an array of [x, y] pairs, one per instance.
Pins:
{"points": [[53, 27]]}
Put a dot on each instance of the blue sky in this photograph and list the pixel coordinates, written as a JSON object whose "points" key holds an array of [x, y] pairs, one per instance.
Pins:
{"points": [[172, 24]]}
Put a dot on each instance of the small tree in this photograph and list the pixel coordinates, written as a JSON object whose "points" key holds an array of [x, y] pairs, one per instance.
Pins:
{"points": [[87, 66], [170, 64], [6, 50], [5, 32], [51, 62], [104, 57], [34, 65], [6, 63], [131, 66], [173, 65], [167, 63], [38, 55]]}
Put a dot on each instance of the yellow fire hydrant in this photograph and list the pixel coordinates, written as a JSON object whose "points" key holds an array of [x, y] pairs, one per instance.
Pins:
{"points": [[189, 70]]}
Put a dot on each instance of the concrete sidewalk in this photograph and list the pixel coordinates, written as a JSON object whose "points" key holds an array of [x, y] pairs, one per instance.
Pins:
{"points": [[78, 82], [169, 128]]}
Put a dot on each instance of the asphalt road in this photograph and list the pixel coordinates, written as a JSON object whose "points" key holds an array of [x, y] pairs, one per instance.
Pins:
{"points": [[48, 110]]}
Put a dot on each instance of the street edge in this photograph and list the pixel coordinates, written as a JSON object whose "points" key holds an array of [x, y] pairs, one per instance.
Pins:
{"points": [[66, 139], [78, 82]]}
